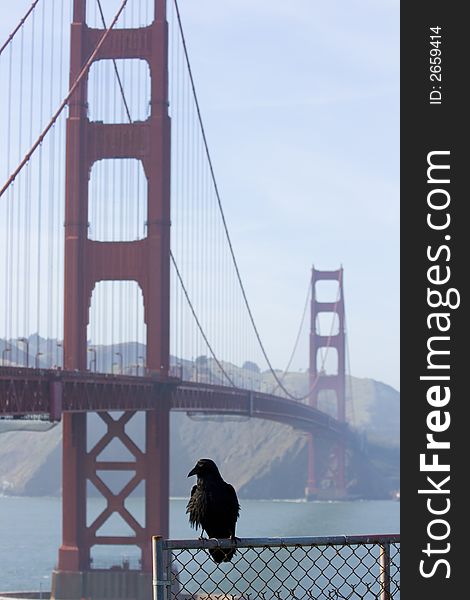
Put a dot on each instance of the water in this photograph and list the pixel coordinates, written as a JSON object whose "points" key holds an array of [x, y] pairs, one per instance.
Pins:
{"points": [[30, 529]]}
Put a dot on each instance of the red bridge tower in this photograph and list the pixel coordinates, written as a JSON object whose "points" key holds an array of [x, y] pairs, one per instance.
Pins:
{"points": [[87, 262], [320, 381]]}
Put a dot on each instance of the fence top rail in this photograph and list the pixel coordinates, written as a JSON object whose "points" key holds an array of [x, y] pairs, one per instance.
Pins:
{"points": [[338, 540]]}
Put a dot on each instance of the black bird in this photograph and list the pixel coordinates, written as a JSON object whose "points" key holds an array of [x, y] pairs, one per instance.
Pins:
{"points": [[213, 506]]}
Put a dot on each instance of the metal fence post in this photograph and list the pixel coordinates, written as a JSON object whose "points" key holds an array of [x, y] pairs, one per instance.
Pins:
{"points": [[157, 567], [170, 578], [385, 571]]}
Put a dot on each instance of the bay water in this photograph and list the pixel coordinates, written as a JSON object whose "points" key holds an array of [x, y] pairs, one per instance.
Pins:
{"points": [[30, 530]]}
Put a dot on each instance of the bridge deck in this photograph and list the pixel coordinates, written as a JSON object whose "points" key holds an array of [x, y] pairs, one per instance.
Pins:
{"points": [[51, 392]]}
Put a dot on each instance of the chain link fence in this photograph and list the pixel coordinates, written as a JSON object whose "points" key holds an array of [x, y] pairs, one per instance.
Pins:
{"points": [[313, 568]]}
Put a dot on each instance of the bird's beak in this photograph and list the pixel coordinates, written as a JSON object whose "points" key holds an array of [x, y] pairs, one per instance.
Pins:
{"points": [[192, 472]]}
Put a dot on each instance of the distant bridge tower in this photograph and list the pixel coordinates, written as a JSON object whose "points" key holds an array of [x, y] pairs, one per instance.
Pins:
{"points": [[320, 381], [88, 262]]}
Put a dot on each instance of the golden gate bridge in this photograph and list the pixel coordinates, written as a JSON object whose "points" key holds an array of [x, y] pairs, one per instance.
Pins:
{"points": [[113, 231]]}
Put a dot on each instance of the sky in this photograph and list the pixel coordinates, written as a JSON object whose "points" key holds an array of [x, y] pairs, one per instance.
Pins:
{"points": [[301, 105], [300, 102]]}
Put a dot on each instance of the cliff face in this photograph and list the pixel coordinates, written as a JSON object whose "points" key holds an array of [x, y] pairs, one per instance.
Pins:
{"points": [[30, 462], [255, 456], [262, 459]]}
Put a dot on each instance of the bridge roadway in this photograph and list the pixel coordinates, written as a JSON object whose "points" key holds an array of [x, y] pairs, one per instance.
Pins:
{"points": [[49, 392]]}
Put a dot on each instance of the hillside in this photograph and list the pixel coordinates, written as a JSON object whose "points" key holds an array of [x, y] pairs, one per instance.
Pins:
{"points": [[262, 459]]}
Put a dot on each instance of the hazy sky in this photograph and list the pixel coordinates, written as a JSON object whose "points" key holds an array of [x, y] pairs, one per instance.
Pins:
{"points": [[300, 103]]}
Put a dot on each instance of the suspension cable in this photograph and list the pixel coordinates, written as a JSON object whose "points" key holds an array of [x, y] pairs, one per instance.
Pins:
{"points": [[18, 27], [222, 214], [121, 87], [296, 343], [173, 260], [56, 115], [327, 346], [201, 330], [191, 306]]}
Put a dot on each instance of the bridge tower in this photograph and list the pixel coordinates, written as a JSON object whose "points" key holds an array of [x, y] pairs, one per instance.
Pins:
{"points": [[88, 262], [320, 381]]}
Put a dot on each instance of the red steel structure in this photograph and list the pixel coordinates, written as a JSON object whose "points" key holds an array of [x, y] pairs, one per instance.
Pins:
{"points": [[73, 392], [321, 381], [145, 261], [50, 394]]}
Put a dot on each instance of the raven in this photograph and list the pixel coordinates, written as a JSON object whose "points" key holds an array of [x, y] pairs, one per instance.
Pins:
{"points": [[213, 506]]}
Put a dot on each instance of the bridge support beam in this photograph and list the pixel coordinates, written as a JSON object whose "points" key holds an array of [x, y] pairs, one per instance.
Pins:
{"points": [[76, 577], [311, 487], [87, 261], [73, 555], [331, 385]]}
